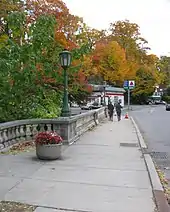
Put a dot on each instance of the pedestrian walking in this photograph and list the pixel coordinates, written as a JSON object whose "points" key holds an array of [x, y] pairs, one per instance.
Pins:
{"points": [[119, 110], [110, 111]]}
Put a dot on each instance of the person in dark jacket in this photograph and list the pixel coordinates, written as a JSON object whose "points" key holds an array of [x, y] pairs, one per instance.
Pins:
{"points": [[118, 110], [110, 111]]}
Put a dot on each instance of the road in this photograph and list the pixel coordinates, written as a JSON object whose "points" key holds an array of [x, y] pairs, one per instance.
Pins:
{"points": [[154, 124], [77, 110]]}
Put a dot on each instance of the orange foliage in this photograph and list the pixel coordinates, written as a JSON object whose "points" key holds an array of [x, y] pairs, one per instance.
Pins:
{"points": [[67, 24], [110, 60], [39, 67], [60, 38]]}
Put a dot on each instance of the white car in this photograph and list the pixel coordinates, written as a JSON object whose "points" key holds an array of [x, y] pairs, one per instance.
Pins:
{"points": [[88, 106], [74, 105]]}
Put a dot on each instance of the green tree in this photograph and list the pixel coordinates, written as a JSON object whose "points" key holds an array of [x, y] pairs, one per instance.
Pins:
{"points": [[29, 92]]}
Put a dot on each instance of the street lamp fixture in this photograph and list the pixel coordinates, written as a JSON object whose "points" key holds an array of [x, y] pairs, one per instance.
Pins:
{"points": [[65, 61]]}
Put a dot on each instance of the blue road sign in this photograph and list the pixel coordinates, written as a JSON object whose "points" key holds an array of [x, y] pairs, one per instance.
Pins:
{"points": [[126, 84]]}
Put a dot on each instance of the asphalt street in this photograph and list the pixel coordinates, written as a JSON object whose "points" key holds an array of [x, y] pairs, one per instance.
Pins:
{"points": [[154, 124], [77, 110]]}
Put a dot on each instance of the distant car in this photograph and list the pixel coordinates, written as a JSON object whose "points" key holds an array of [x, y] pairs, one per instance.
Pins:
{"points": [[149, 102], [90, 106], [96, 106], [167, 107], [74, 105], [86, 107], [160, 102], [164, 103]]}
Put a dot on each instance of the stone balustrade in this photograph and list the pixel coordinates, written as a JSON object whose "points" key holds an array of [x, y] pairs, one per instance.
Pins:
{"points": [[70, 128]]}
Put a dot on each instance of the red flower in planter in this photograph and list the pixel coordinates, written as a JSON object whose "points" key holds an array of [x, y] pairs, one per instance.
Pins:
{"points": [[48, 138]]}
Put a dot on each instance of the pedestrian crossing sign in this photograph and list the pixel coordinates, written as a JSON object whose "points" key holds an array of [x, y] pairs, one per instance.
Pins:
{"points": [[131, 84]]}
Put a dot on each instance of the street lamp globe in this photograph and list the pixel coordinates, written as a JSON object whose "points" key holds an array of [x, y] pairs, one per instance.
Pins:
{"points": [[65, 59]]}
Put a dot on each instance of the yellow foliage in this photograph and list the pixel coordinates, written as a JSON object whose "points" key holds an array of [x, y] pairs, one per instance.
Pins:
{"points": [[131, 73], [111, 61], [87, 66], [60, 38]]}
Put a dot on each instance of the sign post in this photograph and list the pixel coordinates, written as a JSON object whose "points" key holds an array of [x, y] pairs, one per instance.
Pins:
{"points": [[128, 99], [129, 85]]}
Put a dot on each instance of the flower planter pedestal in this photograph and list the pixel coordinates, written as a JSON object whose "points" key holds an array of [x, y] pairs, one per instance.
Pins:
{"points": [[48, 151]]}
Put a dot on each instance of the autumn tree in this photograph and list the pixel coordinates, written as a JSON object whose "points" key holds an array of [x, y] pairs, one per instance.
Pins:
{"points": [[146, 80], [28, 93], [32, 78], [110, 60], [128, 35], [147, 77], [143, 68]]}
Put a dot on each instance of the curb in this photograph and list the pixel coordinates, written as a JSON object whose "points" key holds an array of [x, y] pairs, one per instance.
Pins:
{"points": [[157, 188]]}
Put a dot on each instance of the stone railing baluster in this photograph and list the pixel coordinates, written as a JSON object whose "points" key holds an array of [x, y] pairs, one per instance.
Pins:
{"points": [[1, 141], [13, 135], [48, 126], [34, 131], [42, 127], [28, 132], [22, 133], [17, 133], [9, 135], [31, 131], [5, 138]]}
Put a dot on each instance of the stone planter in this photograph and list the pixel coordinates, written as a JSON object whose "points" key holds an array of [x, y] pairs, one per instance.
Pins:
{"points": [[48, 151]]}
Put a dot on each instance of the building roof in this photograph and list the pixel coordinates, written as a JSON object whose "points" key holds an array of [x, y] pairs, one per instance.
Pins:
{"points": [[115, 89], [108, 88]]}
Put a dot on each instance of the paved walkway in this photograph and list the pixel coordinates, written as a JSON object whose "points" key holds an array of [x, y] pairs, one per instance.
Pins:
{"points": [[103, 172]]}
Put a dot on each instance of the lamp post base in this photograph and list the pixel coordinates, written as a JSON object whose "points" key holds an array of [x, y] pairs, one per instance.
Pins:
{"points": [[65, 113]]}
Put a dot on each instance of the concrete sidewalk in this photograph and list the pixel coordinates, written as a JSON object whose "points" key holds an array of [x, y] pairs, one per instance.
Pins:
{"points": [[103, 172]]}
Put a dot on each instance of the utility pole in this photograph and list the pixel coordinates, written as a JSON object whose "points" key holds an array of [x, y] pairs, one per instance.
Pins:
{"points": [[128, 98], [104, 88]]}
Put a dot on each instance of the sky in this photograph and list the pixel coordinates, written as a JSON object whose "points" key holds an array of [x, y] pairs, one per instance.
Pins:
{"points": [[152, 16]]}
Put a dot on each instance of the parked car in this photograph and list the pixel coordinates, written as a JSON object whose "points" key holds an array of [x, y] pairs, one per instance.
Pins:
{"points": [[164, 103], [167, 107], [96, 106], [74, 104], [90, 106], [160, 102]]}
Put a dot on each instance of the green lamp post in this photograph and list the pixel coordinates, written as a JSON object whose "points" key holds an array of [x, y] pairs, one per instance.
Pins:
{"points": [[65, 61], [104, 88]]}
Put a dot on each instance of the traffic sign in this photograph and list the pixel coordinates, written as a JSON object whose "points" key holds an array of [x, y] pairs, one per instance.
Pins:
{"points": [[126, 84], [131, 84]]}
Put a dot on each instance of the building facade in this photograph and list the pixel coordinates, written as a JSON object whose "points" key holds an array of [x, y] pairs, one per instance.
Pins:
{"points": [[110, 93]]}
